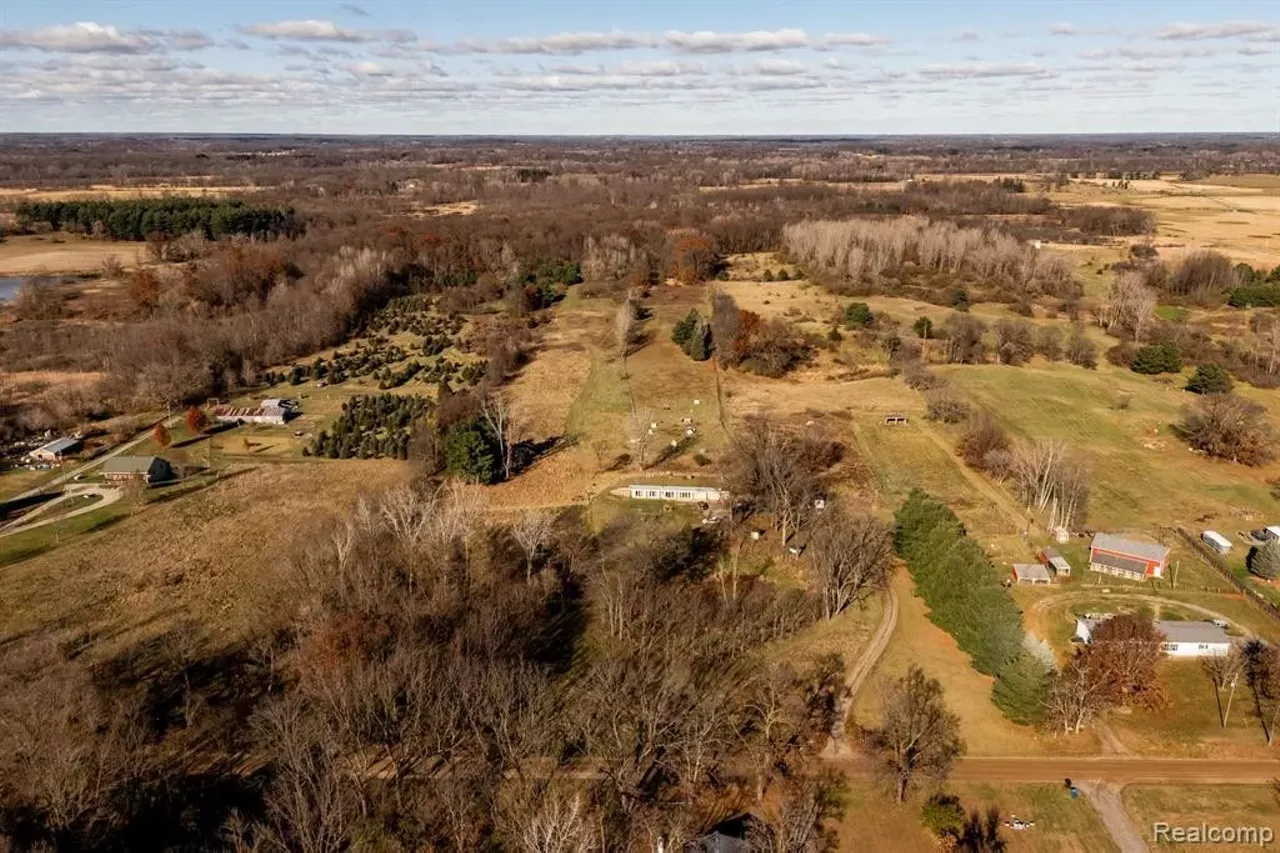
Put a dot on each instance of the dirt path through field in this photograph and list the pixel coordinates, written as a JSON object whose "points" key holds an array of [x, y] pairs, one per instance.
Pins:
{"points": [[858, 673], [1020, 519], [1106, 801]]}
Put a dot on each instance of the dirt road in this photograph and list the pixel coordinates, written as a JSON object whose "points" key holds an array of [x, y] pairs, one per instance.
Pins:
{"points": [[1106, 801], [859, 671], [1120, 770], [107, 494]]}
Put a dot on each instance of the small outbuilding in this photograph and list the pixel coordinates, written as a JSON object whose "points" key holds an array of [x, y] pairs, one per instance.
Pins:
{"points": [[56, 450], [149, 469], [1055, 561], [1031, 573], [1216, 541], [270, 415], [894, 420]]}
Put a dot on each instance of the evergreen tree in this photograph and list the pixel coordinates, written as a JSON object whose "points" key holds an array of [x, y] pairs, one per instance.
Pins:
{"points": [[699, 345], [1020, 689], [1210, 379], [1160, 358], [683, 331], [471, 453], [1264, 560], [858, 315], [923, 327]]}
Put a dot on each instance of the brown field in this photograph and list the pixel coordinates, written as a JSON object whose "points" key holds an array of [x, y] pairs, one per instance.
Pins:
{"points": [[1214, 805], [207, 557], [19, 194], [25, 255], [1239, 215]]}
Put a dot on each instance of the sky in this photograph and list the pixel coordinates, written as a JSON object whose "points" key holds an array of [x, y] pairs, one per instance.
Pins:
{"points": [[596, 67]]}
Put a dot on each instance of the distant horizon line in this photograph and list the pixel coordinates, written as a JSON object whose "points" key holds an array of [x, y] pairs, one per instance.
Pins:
{"points": [[643, 136]]}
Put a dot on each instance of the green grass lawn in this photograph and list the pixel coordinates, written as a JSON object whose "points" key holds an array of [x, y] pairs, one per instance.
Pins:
{"points": [[1143, 476], [22, 546]]}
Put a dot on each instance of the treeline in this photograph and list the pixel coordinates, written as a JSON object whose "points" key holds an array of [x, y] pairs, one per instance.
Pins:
{"points": [[966, 599], [139, 219], [907, 253]]}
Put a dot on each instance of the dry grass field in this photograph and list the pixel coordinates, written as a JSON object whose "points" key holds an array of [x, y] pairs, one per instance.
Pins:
{"points": [[1239, 216], [193, 186], [208, 557], [28, 255], [1214, 805]]}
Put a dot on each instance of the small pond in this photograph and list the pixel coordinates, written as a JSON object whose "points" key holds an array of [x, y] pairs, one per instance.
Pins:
{"points": [[9, 287]]}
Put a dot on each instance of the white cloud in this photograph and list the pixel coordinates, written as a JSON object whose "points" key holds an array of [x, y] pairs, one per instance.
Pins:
{"points": [[309, 30], [1255, 50], [706, 41], [778, 67], [1228, 29], [834, 63], [566, 44], [979, 70], [831, 40], [84, 37], [368, 69]]}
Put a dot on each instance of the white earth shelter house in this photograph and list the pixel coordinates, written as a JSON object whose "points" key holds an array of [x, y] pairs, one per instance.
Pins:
{"points": [[679, 494]]}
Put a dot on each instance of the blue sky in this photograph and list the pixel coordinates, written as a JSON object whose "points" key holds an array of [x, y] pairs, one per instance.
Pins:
{"points": [[639, 67]]}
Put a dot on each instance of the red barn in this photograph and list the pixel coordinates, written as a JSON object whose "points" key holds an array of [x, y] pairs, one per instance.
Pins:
{"points": [[1127, 558]]}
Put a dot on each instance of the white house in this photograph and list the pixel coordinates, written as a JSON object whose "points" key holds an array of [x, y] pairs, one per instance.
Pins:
{"points": [[678, 494], [1182, 639]]}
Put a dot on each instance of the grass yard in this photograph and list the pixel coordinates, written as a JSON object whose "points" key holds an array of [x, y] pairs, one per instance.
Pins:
{"points": [[1063, 825], [17, 547], [1193, 805], [918, 641], [873, 821], [1143, 475], [1189, 725]]}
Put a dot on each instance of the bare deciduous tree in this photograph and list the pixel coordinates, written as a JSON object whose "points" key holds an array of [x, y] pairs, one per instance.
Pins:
{"points": [[505, 424], [919, 736], [624, 330], [1225, 672], [1049, 479], [1130, 305], [640, 432], [531, 531], [849, 555]]}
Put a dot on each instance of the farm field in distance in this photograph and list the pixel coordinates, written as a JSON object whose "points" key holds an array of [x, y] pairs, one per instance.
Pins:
{"points": [[652, 484]]}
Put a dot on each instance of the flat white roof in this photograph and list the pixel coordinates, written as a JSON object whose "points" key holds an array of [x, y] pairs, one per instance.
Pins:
{"points": [[1216, 537], [1031, 571]]}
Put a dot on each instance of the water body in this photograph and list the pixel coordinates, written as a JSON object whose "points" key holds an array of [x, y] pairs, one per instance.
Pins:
{"points": [[9, 287]]}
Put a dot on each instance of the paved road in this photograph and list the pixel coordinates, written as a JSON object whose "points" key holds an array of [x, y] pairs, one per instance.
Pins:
{"points": [[108, 495]]}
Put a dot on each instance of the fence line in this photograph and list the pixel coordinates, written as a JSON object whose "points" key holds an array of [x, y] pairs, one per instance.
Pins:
{"points": [[1214, 559]]}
